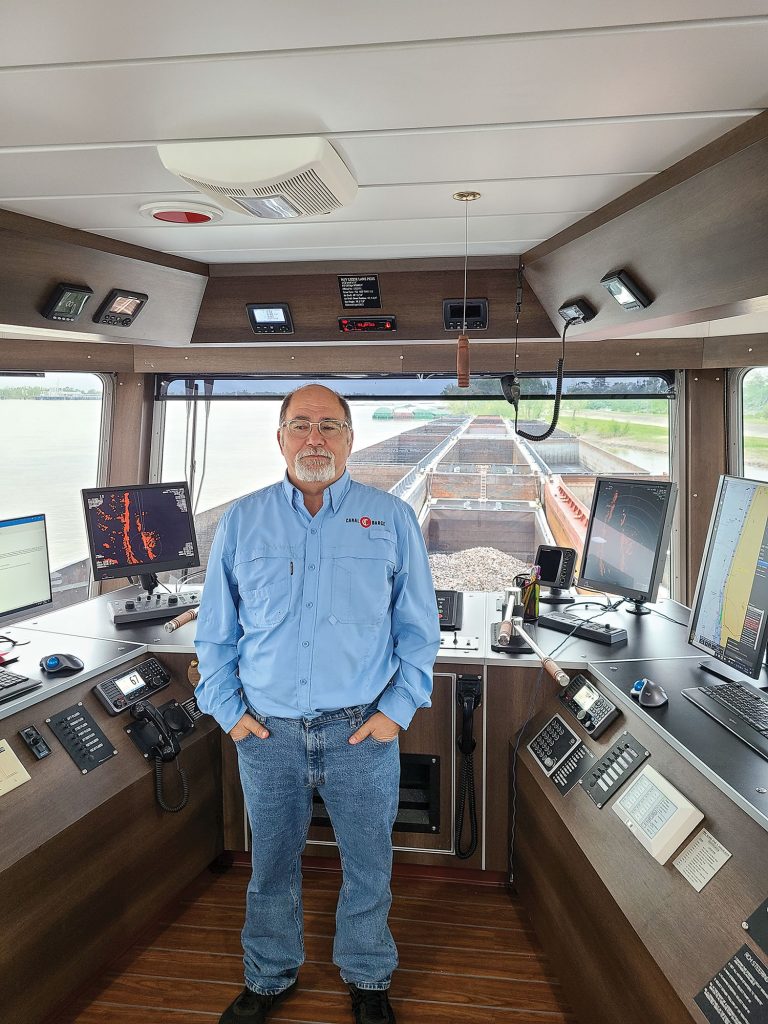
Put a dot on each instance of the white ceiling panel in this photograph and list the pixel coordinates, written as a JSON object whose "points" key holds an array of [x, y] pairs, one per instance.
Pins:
{"points": [[290, 235], [550, 110], [682, 70], [572, 196], [581, 149], [47, 31]]}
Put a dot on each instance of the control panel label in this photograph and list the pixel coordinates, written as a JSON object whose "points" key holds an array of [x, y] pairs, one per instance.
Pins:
{"points": [[738, 993]]}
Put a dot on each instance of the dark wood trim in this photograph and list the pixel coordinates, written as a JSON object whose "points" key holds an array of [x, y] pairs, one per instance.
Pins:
{"points": [[49, 231], [84, 356], [131, 429], [705, 420]]}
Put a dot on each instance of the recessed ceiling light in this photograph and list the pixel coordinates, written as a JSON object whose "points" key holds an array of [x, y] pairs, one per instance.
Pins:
{"points": [[181, 213]]}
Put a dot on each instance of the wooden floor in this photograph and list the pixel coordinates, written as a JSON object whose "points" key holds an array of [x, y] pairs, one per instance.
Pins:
{"points": [[467, 956]]}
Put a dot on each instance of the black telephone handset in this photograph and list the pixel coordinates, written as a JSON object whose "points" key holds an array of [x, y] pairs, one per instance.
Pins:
{"points": [[165, 744], [157, 735], [469, 696]]}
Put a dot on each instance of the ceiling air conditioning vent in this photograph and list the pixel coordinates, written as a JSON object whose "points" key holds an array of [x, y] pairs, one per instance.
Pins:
{"points": [[272, 179]]}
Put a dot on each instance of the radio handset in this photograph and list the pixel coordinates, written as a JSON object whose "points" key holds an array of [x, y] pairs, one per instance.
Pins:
{"points": [[469, 696], [160, 737], [166, 745]]}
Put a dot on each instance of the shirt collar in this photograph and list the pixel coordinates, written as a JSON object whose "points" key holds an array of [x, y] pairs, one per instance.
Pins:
{"points": [[336, 491]]}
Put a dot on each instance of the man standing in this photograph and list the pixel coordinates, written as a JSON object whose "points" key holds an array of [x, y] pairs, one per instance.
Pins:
{"points": [[316, 638]]}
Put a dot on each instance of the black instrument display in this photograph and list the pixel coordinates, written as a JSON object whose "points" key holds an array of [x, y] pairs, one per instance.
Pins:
{"points": [[122, 691], [593, 711], [450, 606], [120, 308]]}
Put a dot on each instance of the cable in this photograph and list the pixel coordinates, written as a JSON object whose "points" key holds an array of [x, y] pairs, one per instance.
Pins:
{"points": [[467, 787], [175, 808]]}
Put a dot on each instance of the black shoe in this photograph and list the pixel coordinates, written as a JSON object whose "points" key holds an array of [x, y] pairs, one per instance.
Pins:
{"points": [[371, 1006], [252, 1007]]}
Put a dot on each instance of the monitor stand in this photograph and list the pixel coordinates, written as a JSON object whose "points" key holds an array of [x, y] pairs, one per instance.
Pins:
{"points": [[638, 607], [556, 596], [149, 582]]}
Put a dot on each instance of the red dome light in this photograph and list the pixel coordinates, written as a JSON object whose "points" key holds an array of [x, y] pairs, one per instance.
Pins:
{"points": [[181, 217]]}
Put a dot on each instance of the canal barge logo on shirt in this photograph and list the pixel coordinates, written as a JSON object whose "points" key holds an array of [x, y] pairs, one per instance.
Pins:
{"points": [[366, 521]]}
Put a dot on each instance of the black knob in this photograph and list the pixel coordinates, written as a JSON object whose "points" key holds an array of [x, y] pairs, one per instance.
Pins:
{"points": [[173, 599], [129, 605]]}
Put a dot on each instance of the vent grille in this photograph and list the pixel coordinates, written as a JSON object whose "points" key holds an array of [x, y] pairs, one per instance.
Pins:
{"points": [[206, 186], [306, 190]]}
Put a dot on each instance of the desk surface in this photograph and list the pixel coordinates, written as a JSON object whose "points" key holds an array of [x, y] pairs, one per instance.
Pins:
{"points": [[656, 646]]}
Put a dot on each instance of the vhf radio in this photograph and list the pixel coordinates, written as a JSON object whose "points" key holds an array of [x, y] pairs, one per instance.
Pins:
{"points": [[123, 691], [589, 707]]}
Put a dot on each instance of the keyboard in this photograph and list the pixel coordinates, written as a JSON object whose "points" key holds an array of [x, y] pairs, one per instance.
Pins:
{"points": [[13, 685], [741, 709]]}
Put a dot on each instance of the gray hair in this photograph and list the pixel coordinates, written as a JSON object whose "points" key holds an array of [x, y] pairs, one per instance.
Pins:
{"points": [[342, 402]]}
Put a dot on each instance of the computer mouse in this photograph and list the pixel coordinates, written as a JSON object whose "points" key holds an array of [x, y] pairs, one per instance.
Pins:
{"points": [[652, 695], [55, 663]]}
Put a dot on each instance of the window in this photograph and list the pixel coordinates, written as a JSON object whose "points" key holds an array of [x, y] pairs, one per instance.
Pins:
{"points": [[486, 498], [51, 428], [754, 424]]}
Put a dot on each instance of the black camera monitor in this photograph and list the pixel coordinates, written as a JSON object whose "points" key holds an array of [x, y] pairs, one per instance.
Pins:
{"points": [[25, 576], [729, 619], [140, 530], [556, 566], [627, 538]]}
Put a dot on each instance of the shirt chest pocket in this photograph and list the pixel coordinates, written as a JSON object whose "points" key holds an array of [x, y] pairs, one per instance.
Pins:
{"points": [[362, 579], [265, 585]]}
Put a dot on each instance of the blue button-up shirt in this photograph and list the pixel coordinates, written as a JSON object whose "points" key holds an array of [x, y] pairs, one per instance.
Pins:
{"points": [[302, 614]]}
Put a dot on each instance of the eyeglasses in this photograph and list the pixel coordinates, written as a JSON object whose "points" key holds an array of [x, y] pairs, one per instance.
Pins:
{"points": [[328, 427], [12, 642]]}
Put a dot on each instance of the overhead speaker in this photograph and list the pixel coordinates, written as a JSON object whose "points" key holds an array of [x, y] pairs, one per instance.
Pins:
{"points": [[271, 179]]}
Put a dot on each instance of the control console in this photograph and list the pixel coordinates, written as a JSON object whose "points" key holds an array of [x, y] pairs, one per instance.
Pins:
{"points": [[593, 711], [597, 632], [148, 608], [122, 691]]}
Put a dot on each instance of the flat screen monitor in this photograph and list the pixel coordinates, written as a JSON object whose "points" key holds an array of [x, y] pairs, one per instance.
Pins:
{"points": [[140, 530], [729, 619], [25, 575], [627, 538]]}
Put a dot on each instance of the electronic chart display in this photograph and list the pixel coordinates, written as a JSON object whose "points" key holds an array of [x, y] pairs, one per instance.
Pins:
{"points": [[728, 619]]}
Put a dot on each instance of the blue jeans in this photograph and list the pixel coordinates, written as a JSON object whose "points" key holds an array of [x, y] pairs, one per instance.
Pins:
{"points": [[359, 785]]}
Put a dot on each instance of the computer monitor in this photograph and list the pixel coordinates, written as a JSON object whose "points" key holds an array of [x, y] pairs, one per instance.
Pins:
{"points": [[25, 575], [140, 530], [627, 538], [729, 618]]}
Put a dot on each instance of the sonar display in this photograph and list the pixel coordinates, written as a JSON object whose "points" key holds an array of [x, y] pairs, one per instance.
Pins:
{"points": [[133, 528]]}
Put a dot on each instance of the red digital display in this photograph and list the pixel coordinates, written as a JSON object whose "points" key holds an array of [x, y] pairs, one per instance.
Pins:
{"points": [[350, 324]]}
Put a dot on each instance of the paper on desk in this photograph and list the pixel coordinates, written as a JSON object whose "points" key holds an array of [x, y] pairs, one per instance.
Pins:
{"points": [[12, 771]]}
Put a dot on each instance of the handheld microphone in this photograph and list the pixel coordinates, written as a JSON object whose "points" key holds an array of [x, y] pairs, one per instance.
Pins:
{"points": [[550, 666], [180, 620]]}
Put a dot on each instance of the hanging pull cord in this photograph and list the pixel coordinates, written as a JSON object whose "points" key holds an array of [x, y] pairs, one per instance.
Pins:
{"points": [[462, 346], [511, 390]]}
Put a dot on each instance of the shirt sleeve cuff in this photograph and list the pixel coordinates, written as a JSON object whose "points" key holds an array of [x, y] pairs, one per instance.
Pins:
{"points": [[396, 707]]}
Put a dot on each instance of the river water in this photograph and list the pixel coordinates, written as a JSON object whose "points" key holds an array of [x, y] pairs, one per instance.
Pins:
{"points": [[49, 450]]}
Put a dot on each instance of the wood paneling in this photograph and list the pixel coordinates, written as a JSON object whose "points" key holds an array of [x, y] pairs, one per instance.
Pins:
{"points": [[514, 695], [466, 953], [86, 860], [131, 429], [694, 238], [416, 299], [85, 356], [705, 428], [35, 256]]}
